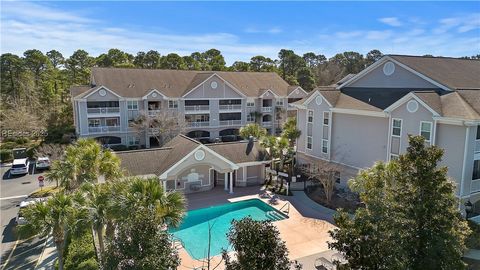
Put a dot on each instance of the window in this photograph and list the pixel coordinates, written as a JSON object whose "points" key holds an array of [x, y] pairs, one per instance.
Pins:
{"points": [[133, 140], [476, 170], [250, 117], [325, 118], [393, 157], [478, 133], [310, 117], [132, 104], [336, 176], [324, 146], [112, 122], [397, 127], [93, 122], [309, 142], [250, 103], [426, 130], [173, 104], [279, 102]]}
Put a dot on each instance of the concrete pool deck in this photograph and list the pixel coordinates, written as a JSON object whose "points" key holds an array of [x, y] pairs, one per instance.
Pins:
{"points": [[305, 232]]}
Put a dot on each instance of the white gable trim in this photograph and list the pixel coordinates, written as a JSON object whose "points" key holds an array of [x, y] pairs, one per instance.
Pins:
{"points": [[226, 82], [105, 88], [313, 96], [301, 89], [156, 91], [383, 60], [233, 166], [360, 112], [271, 91], [406, 98]]}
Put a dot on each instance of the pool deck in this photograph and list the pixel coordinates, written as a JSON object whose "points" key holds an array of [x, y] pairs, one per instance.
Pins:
{"points": [[305, 231]]}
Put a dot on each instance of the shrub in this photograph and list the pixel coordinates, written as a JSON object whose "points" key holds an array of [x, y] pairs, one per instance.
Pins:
{"points": [[8, 145], [81, 253], [6, 155], [133, 147], [473, 240], [119, 147], [22, 140], [31, 152]]}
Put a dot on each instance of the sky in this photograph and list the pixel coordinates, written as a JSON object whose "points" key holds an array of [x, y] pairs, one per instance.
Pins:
{"points": [[241, 30]]}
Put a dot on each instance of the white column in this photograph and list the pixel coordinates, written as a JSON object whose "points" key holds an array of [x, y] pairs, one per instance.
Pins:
{"points": [[231, 182], [164, 185], [244, 169], [225, 185]]}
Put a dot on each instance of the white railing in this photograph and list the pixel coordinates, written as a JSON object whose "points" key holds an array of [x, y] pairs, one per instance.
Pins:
{"points": [[477, 146], [230, 122], [104, 110], [230, 107], [153, 112], [475, 186], [267, 123], [197, 108], [103, 129], [198, 124], [266, 109]]}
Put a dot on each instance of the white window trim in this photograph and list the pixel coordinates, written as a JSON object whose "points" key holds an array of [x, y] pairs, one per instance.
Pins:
{"points": [[401, 127], [250, 103], [308, 113], [132, 140], [430, 131], [174, 102], [311, 144], [328, 117], [279, 102], [393, 155], [132, 102], [95, 120], [326, 141]]}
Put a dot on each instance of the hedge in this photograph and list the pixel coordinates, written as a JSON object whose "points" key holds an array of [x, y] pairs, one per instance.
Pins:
{"points": [[80, 253], [6, 155]]}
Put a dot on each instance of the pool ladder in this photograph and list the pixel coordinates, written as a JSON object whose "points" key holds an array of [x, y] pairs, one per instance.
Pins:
{"points": [[287, 210], [177, 242]]}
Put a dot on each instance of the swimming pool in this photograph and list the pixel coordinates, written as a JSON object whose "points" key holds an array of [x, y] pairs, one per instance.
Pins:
{"points": [[194, 229]]}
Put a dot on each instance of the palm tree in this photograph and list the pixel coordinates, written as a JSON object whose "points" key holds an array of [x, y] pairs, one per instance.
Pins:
{"points": [[84, 162], [167, 207], [96, 201], [55, 217], [290, 130], [254, 130]]}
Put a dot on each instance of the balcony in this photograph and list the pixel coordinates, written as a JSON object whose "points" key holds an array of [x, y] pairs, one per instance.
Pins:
{"points": [[103, 129], [267, 123], [198, 124], [475, 186], [196, 108], [153, 113], [266, 109], [230, 122], [230, 107], [104, 110]]}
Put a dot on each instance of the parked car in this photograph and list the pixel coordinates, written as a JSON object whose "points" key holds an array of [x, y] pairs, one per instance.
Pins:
{"points": [[20, 166], [20, 219], [42, 163]]}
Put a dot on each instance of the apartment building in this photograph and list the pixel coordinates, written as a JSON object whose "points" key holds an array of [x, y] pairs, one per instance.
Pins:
{"points": [[367, 117], [214, 104]]}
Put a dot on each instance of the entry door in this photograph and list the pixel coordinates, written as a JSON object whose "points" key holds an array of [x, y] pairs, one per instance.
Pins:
{"points": [[213, 177]]}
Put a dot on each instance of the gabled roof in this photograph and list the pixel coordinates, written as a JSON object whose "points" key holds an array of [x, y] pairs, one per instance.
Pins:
{"points": [[135, 83], [454, 105], [158, 160], [347, 102], [453, 72]]}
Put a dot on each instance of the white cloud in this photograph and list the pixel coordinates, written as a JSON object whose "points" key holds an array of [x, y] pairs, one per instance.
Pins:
{"points": [[392, 21], [256, 30]]}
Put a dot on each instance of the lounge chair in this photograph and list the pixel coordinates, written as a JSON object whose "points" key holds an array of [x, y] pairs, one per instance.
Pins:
{"points": [[265, 195], [273, 200], [323, 263]]}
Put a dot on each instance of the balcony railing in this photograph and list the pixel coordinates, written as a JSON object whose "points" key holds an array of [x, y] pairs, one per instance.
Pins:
{"points": [[103, 110], [475, 186], [230, 107], [198, 124], [197, 108], [152, 113], [477, 146], [266, 109], [267, 123], [103, 129], [230, 122]]}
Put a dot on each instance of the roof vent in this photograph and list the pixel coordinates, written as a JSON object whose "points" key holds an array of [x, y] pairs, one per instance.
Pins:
{"points": [[388, 68]]}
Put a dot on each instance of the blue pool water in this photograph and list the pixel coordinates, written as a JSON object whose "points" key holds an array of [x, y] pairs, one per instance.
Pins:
{"points": [[194, 229]]}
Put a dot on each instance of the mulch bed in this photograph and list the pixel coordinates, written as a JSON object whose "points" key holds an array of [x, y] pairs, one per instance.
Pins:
{"points": [[317, 195]]}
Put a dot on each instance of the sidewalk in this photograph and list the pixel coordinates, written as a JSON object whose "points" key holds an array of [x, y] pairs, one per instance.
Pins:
{"points": [[473, 254], [47, 259], [309, 208]]}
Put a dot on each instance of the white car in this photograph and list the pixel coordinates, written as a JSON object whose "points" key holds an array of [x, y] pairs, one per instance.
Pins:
{"points": [[20, 219], [20, 166], [42, 163]]}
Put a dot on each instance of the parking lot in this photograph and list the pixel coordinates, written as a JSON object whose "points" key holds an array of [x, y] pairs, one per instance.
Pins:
{"points": [[21, 254]]}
